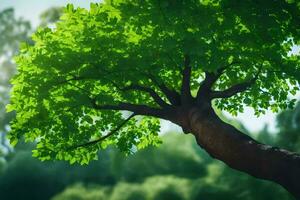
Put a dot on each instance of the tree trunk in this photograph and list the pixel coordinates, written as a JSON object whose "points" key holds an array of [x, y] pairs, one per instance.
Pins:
{"points": [[239, 151]]}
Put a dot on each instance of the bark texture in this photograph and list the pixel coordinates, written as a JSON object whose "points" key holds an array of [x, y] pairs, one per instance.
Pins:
{"points": [[239, 151], [222, 141]]}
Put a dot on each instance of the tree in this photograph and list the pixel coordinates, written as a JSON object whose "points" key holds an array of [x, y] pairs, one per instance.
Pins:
{"points": [[170, 60], [289, 127], [50, 15], [13, 31]]}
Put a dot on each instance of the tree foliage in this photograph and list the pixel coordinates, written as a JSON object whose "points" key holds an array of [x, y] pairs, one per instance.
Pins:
{"points": [[50, 16], [288, 129], [76, 80], [13, 32]]}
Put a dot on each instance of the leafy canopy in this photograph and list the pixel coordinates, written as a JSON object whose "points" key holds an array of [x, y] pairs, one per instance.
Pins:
{"points": [[75, 81]]}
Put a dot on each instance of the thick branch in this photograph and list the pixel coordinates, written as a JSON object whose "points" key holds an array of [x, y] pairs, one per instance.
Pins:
{"points": [[172, 96], [235, 89], [107, 135], [206, 85], [186, 97], [150, 91], [137, 109], [210, 79]]}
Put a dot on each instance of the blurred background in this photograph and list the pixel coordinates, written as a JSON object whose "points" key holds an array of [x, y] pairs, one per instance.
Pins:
{"points": [[177, 170]]}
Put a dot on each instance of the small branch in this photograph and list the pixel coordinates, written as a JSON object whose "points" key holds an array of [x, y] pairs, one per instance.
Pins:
{"points": [[172, 96], [150, 91], [235, 89], [220, 71], [137, 109], [186, 96], [210, 79], [106, 136], [81, 89], [67, 81]]}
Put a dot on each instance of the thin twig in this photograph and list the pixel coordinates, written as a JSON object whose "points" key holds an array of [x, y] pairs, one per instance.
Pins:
{"points": [[106, 136]]}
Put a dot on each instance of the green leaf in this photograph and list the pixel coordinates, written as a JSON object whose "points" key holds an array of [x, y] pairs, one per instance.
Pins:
{"points": [[66, 76]]}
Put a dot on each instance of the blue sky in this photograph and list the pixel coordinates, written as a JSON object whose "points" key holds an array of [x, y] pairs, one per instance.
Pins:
{"points": [[31, 10]]}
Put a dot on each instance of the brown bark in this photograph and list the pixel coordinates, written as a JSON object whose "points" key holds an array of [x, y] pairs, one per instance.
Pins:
{"points": [[221, 140], [239, 151]]}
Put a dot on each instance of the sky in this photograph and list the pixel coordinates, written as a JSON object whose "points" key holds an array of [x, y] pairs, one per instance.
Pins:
{"points": [[31, 10]]}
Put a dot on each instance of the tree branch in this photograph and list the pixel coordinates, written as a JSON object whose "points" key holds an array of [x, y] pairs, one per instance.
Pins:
{"points": [[210, 79], [235, 89], [150, 91], [137, 109], [67, 81], [220, 71], [186, 96], [172, 96], [106, 136]]}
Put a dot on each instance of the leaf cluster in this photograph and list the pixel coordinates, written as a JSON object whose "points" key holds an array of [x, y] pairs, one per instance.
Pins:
{"points": [[91, 56]]}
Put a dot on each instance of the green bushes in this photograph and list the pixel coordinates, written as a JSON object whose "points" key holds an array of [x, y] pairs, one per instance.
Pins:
{"points": [[177, 169], [155, 187], [178, 188], [178, 155], [79, 192], [127, 191]]}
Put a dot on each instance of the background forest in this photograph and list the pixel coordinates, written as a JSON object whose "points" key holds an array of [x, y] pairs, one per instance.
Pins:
{"points": [[176, 170]]}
